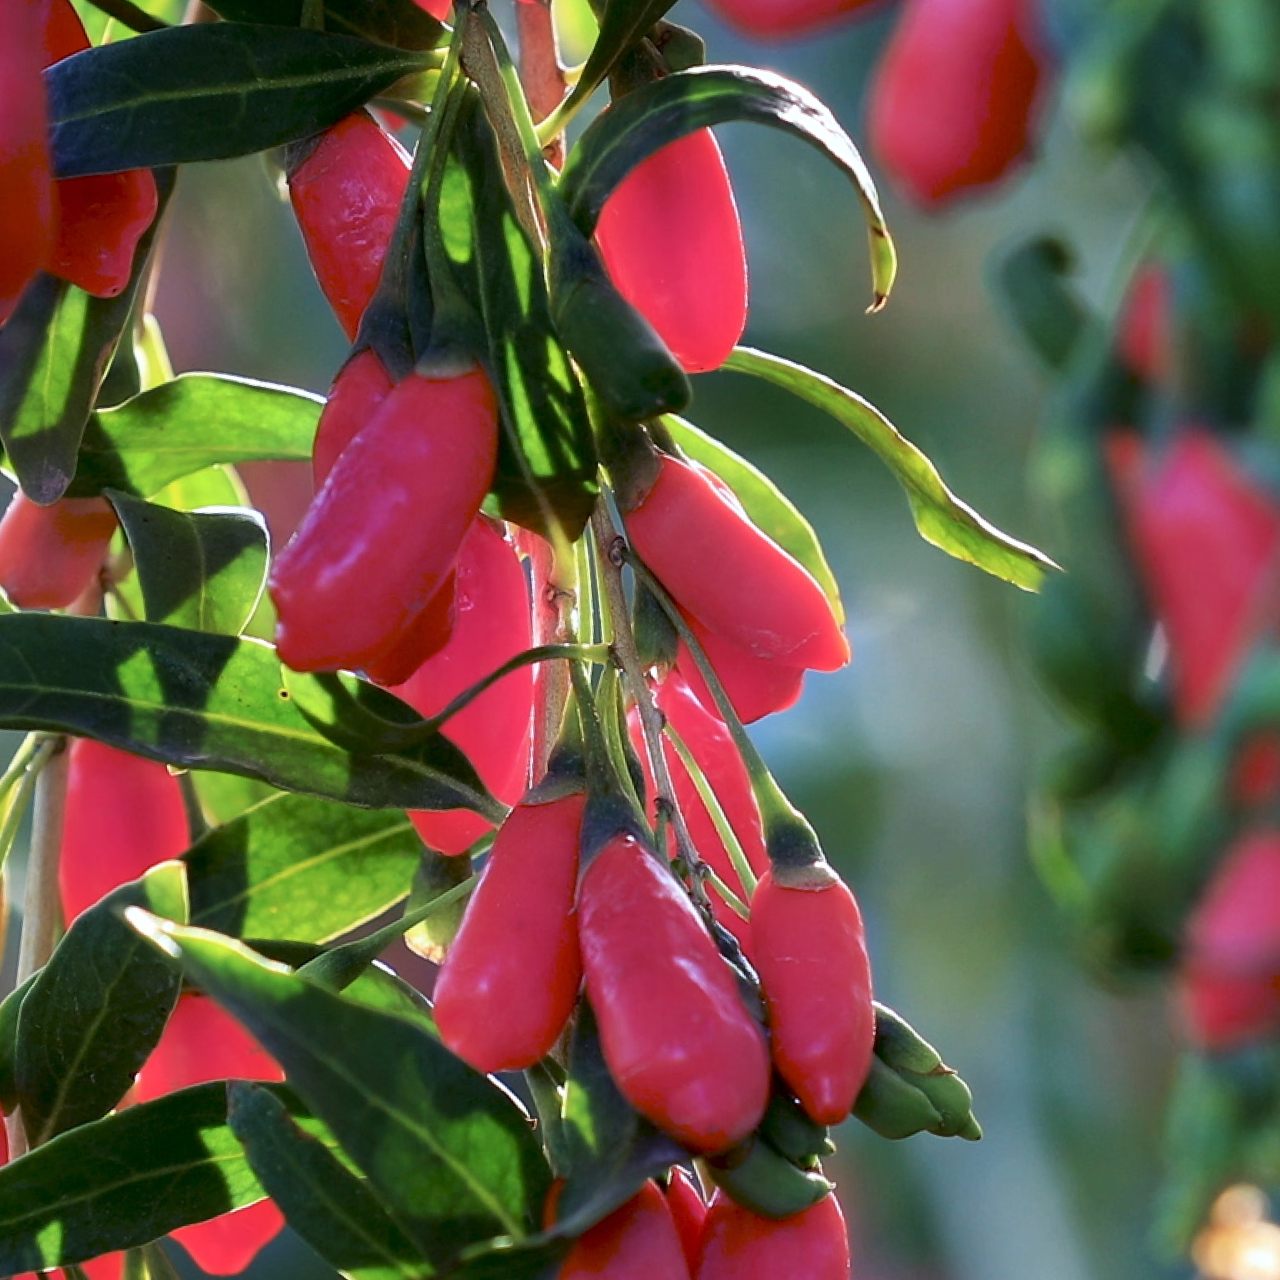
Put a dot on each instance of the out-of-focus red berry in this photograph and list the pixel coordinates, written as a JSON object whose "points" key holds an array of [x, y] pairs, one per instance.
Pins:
{"points": [[49, 556]]}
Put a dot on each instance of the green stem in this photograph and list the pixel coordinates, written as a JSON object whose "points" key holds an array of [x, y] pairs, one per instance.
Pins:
{"points": [[735, 903], [130, 15], [17, 803]]}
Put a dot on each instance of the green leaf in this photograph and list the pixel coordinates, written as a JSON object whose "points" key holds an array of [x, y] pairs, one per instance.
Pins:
{"points": [[10, 1008], [398, 22], [331, 1208], [450, 1152], [208, 92], [763, 501], [547, 464], [300, 868], [1030, 282], [124, 1180], [97, 1009], [202, 701], [224, 796], [54, 354], [203, 570], [194, 421], [940, 516], [654, 114]]}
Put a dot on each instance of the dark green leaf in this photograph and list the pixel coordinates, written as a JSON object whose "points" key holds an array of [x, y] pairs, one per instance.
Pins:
{"points": [[611, 1150], [450, 1152], [651, 116], [398, 22], [192, 422], [1044, 310], [546, 465], [940, 516], [204, 570], [54, 353], [763, 501], [202, 701], [10, 1008], [97, 1009], [208, 92], [124, 1180], [300, 868], [331, 1208]]}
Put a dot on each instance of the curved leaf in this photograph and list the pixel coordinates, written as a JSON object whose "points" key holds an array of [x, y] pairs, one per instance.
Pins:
{"points": [[663, 110], [202, 701], [763, 501], [940, 516], [194, 421], [451, 1153], [398, 22], [208, 92]]}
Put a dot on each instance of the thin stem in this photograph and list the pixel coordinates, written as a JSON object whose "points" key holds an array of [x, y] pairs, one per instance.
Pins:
{"points": [[15, 809], [734, 903], [128, 14], [19, 764], [540, 71]]}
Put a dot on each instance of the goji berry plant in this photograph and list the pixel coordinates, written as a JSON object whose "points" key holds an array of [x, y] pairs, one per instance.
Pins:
{"points": [[505, 661]]}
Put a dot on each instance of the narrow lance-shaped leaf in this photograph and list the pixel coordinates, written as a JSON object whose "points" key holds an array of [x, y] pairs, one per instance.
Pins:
{"points": [[762, 500], [300, 868], [202, 701], [194, 421], [204, 570], [654, 114], [330, 1207], [940, 516], [54, 354], [450, 1152], [398, 22], [97, 1010], [208, 92], [126, 1179]]}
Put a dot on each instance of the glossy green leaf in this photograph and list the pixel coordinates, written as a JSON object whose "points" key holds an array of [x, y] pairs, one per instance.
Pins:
{"points": [[940, 516], [124, 1180], [203, 570], [194, 421], [10, 1008], [97, 1009], [450, 1152], [651, 116], [54, 354], [300, 868], [331, 1208], [202, 701], [398, 22], [208, 92], [546, 466], [763, 501]]}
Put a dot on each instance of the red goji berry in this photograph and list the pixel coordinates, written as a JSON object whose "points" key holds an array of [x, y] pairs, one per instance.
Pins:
{"points": [[1143, 337], [953, 99], [491, 625], [357, 393], [509, 981], [346, 192], [783, 19], [27, 208], [110, 1266], [426, 635], [123, 815], [678, 1039], [1207, 542], [671, 239], [756, 687], [730, 575], [688, 1212], [740, 1245], [49, 556], [810, 950], [383, 533], [635, 1242]]}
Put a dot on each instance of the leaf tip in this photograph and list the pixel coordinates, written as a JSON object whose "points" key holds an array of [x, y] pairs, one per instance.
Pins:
{"points": [[155, 930]]}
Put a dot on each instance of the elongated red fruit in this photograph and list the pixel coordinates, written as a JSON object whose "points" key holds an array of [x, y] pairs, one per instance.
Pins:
{"points": [[346, 194], [740, 1245], [756, 687], [676, 1035], [810, 950], [49, 556], [688, 1212], [953, 100], [202, 1043], [383, 533], [671, 239], [785, 19], [635, 1242], [124, 814], [27, 209], [730, 575], [509, 981], [1207, 540], [1228, 987], [491, 624], [357, 394]]}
